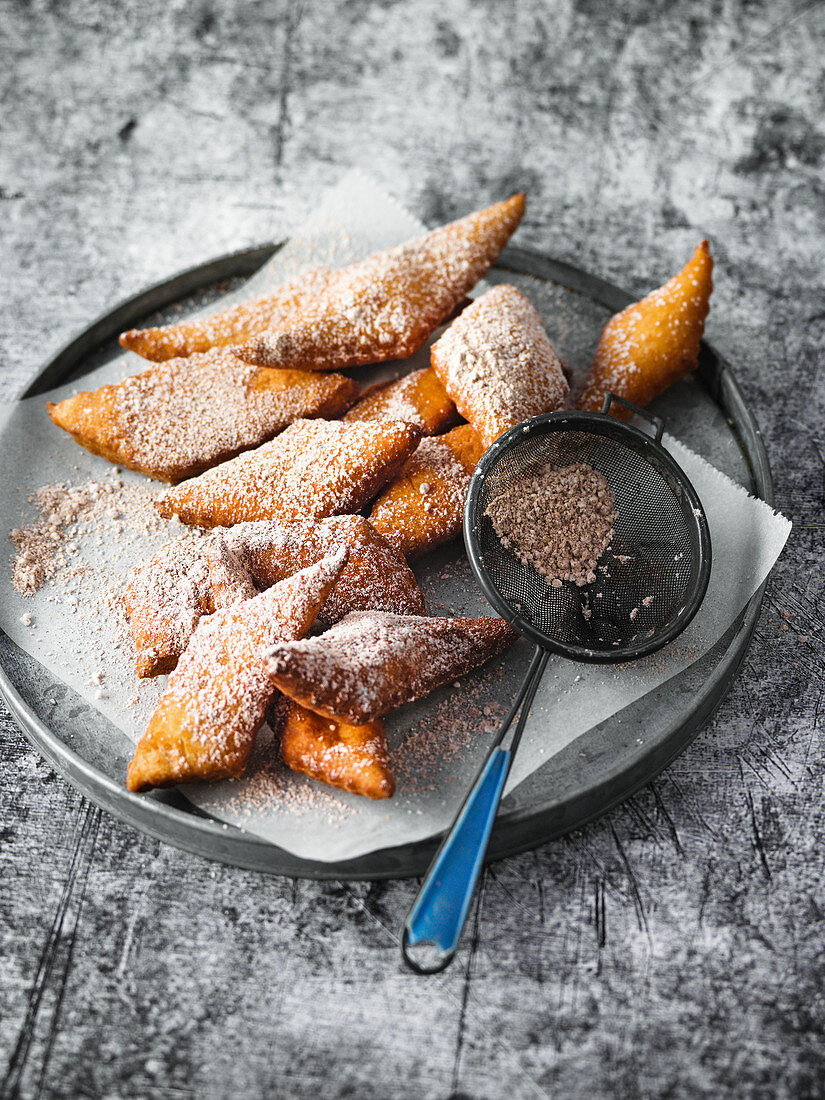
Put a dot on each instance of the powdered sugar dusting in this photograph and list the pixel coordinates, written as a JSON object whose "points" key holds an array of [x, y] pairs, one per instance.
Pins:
{"points": [[371, 662], [230, 326], [180, 417], [417, 397], [230, 573], [316, 468], [390, 401], [165, 596], [385, 307], [498, 365]]}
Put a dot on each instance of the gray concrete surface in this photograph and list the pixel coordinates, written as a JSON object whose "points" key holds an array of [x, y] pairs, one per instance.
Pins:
{"points": [[677, 946]]}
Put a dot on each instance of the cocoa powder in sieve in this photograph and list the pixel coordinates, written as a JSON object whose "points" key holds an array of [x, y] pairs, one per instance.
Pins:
{"points": [[558, 519]]}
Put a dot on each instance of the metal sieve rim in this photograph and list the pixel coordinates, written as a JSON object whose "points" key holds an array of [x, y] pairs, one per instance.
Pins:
{"points": [[636, 440]]}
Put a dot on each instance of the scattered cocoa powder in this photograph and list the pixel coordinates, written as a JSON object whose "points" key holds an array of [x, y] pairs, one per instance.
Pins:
{"points": [[51, 543], [454, 724]]}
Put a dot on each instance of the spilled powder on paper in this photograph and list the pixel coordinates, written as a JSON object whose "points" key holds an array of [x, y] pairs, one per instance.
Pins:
{"points": [[50, 546]]}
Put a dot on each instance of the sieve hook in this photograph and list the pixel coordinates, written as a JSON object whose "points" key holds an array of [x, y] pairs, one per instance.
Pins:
{"points": [[656, 421], [438, 915]]}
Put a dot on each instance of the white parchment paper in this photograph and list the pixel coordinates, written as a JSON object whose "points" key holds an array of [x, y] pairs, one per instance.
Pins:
{"points": [[436, 744]]}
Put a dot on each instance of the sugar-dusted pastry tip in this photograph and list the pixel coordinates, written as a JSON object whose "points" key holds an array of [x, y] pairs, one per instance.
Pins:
{"points": [[230, 326], [653, 343], [385, 306]]}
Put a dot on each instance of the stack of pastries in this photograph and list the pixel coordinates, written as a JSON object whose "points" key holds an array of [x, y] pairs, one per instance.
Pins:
{"points": [[299, 604]]}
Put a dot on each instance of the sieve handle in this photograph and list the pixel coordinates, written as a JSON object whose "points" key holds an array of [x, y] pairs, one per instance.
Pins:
{"points": [[656, 421], [442, 905], [438, 914]]}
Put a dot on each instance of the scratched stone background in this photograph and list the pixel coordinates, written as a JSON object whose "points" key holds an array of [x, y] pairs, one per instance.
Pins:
{"points": [[677, 946]]}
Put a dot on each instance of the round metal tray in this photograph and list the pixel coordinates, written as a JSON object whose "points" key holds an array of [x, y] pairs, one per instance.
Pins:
{"points": [[599, 770]]}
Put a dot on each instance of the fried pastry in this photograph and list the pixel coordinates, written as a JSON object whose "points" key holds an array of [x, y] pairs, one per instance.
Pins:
{"points": [[424, 506], [178, 418], [372, 662], [376, 576], [653, 343], [497, 364], [419, 398], [217, 698], [354, 758], [166, 595], [385, 307], [235, 325], [316, 468]]}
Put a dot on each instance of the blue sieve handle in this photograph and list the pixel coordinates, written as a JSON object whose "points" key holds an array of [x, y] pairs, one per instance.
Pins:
{"points": [[440, 909], [443, 902]]}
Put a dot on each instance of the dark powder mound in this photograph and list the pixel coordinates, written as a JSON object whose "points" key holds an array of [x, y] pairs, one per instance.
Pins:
{"points": [[558, 519]]}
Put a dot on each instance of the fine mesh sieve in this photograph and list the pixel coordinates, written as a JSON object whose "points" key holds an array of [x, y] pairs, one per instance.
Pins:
{"points": [[651, 578], [650, 581]]}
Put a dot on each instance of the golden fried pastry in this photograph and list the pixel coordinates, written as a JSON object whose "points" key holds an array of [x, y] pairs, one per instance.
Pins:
{"points": [[235, 325], [372, 661], [497, 364], [354, 758], [424, 506], [376, 576], [178, 418], [166, 596], [419, 398], [385, 306], [218, 695], [316, 468], [653, 343], [168, 593]]}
